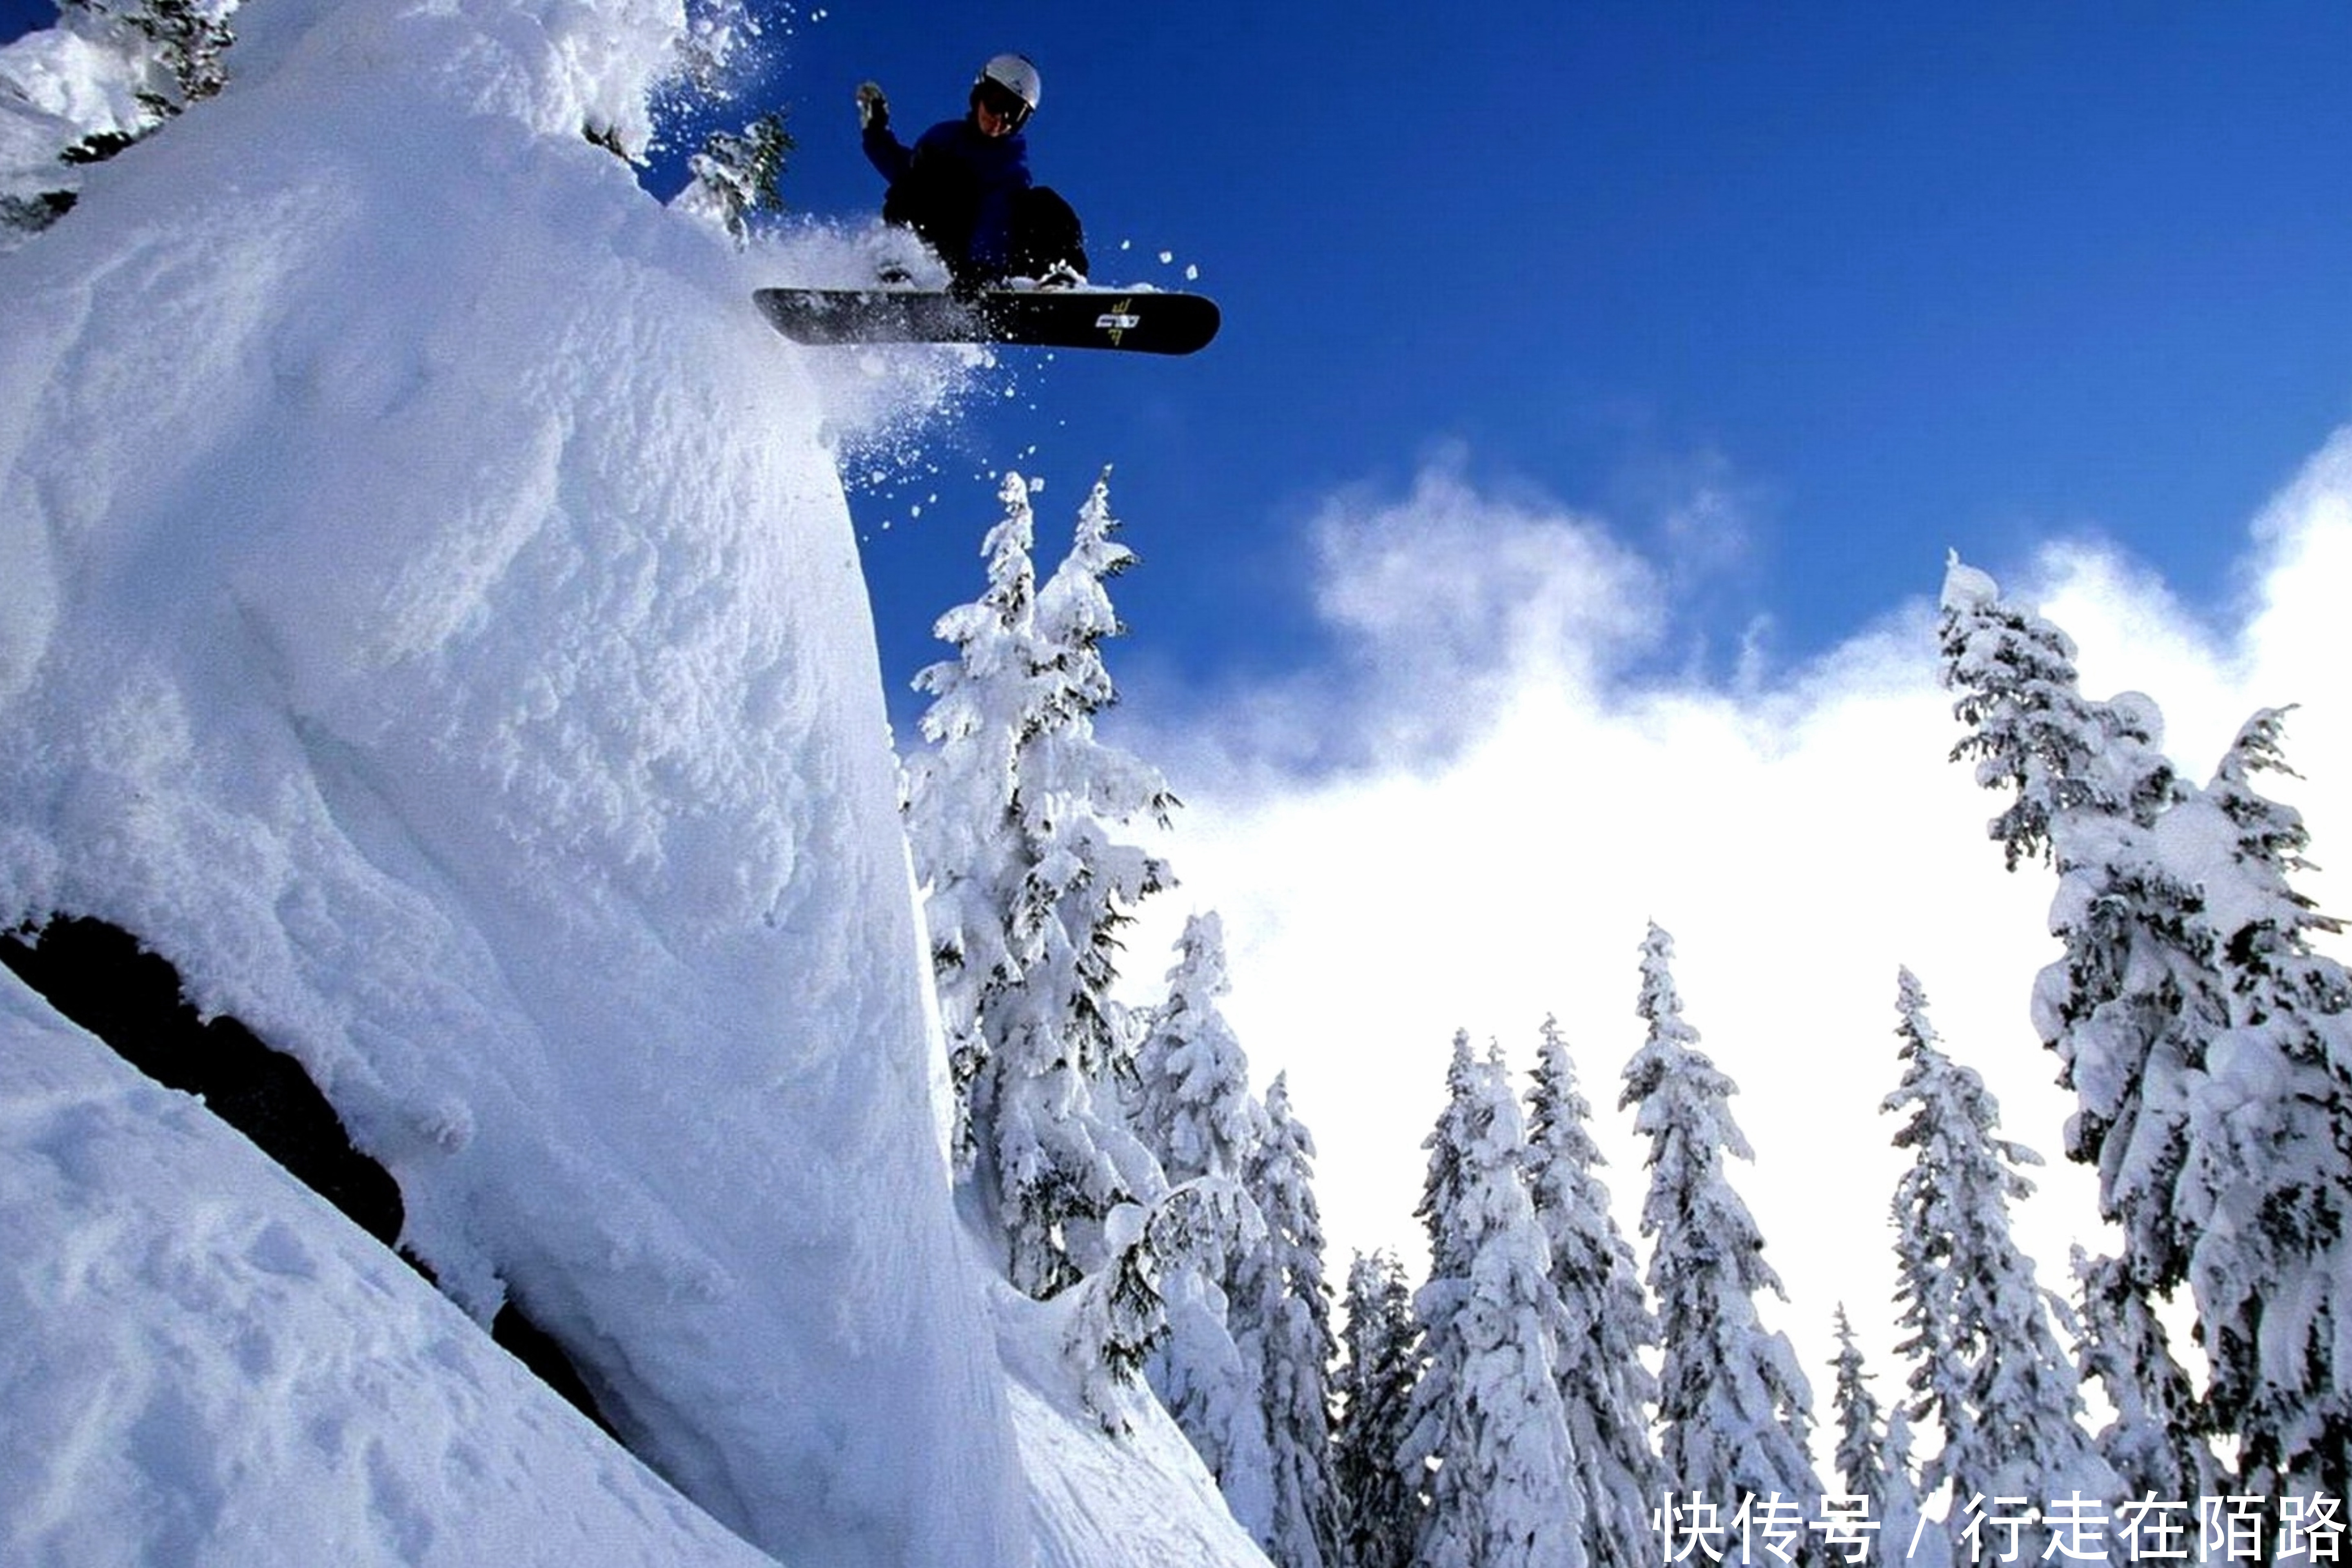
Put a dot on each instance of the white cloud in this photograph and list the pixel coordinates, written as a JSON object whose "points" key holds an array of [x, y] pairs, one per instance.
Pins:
{"points": [[1446, 585], [1801, 838], [1440, 603]]}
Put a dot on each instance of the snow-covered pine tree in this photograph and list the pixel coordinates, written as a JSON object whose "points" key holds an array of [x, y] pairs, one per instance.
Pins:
{"points": [[1191, 1102], [1190, 1106], [1873, 1455], [1902, 1539], [737, 174], [2032, 730], [2128, 1008], [1606, 1392], [1381, 1499], [2266, 1197], [960, 800], [1200, 1372], [1735, 1409], [1487, 1424], [1119, 1314], [1862, 1435], [1085, 787], [1281, 1323], [1009, 816], [2204, 1040], [1123, 1317], [2154, 1443], [1990, 1368]]}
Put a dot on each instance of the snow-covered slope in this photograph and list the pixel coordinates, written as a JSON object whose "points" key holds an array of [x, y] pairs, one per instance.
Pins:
{"points": [[429, 617], [1143, 1499], [174, 1296]]}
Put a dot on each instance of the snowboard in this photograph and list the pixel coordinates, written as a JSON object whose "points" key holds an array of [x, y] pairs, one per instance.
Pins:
{"points": [[1138, 321]]}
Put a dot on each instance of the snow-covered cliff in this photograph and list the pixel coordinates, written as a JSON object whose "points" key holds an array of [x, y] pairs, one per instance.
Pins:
{"points": [[429, 617]]}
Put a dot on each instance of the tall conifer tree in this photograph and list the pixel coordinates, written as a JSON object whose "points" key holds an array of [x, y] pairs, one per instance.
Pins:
{"points": [[2210, 1047], [1606, 1392], [1990, 1368], [2266, 1197], [1380, 1499], [1503, 1481], [1192, 1108], [2129, 1005], [1191, 1102], [1873, 1457], [1283, 1324], [1735, 1410], [2155, 1441], [1010, 815]]}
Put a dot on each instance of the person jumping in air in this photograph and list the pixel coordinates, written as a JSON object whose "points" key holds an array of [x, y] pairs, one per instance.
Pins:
{"points": [[965, 187]]}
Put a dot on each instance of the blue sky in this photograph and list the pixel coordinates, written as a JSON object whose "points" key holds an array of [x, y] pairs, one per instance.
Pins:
{"points": [[1849, 284]]}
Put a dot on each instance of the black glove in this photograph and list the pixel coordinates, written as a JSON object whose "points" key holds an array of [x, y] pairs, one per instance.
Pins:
{"points": [[873, 109]]}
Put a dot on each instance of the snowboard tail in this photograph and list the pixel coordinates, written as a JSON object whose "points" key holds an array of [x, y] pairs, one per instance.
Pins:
{"points": [[1129, 320]]}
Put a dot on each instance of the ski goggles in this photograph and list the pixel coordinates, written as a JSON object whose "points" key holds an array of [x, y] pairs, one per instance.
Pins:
{"points": [[1001, 101]]}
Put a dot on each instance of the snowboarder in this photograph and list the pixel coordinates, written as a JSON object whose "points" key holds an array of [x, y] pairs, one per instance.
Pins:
{"points": [[965, 185]]}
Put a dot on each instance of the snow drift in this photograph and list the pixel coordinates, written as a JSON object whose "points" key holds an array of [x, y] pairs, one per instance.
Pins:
{"points": [[429, 617]]}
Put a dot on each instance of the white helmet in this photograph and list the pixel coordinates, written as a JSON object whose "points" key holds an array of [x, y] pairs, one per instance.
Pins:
{"points": [[1014, 80]]}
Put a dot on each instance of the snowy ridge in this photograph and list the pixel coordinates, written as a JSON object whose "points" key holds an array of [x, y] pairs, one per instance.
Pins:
{"points": [[429, 617]]}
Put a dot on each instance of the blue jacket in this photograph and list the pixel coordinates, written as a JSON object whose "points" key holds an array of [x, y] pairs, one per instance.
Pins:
{"points": [[955, 187]]}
